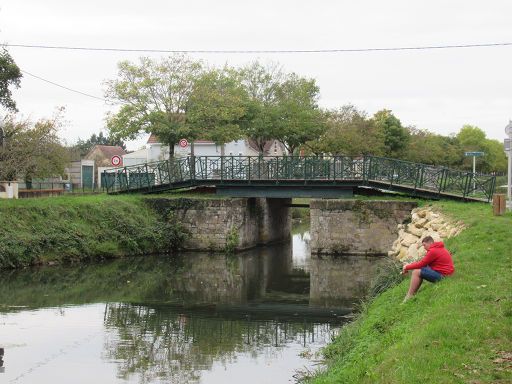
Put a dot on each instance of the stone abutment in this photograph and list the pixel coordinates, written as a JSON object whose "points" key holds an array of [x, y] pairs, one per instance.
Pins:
{"points": [[228, 224], [356, 227]]}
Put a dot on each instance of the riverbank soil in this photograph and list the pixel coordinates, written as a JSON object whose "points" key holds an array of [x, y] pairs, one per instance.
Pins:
{"points": [[456, 331]]}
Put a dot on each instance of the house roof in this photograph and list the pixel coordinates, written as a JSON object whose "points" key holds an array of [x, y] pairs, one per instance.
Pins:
{"points": [[153, 139], [107, 150]]}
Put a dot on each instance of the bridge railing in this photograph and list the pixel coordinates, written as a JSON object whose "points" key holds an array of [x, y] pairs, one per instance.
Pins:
{"points": [[373, 170], [442, 180], [277, 168], [147, 175]]}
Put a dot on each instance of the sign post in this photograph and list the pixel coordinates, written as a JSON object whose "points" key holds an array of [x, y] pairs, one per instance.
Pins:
{"points": [[508, 131], [475, 155]]}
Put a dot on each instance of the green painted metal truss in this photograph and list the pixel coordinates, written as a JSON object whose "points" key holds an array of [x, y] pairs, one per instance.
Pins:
{"points": [[274, 171]]}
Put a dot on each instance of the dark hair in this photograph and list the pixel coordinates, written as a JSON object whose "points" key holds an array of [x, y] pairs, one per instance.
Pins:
{"points": [[427, 239]]}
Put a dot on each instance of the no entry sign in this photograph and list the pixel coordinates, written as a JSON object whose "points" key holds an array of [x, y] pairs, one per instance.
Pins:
{"points": [[183, 143], [115, 160]]}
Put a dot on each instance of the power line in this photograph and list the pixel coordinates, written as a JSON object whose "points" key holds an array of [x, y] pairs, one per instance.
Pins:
{"points": [[64, 87], [277, 51]]}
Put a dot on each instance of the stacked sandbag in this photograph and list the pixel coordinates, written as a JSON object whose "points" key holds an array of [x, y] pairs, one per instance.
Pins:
{"points": [[424, 222]]}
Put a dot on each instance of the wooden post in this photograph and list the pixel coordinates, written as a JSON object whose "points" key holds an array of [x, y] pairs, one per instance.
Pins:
{"points": [[499, 204]]}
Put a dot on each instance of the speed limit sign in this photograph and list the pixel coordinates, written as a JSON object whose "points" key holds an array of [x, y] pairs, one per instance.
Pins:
{"points": [[115, 160], [183, 143]]}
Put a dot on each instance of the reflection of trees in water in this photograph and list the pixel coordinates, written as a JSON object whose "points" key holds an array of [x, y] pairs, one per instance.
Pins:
{"points": [[163, 344]]}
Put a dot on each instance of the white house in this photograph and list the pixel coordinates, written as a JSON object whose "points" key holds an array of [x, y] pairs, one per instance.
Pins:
{"points": [[156, 151]]}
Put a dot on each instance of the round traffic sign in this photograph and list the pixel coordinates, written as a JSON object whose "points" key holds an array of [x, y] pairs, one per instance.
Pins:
{"points": [[183, 143], [115, 160], [508, 128]]}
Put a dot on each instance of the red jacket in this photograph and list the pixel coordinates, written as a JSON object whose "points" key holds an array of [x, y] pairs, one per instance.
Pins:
{"points": [[437, 258]]}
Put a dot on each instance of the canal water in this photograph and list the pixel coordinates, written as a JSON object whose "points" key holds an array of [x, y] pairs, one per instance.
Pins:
{"points": [[256, 317]]}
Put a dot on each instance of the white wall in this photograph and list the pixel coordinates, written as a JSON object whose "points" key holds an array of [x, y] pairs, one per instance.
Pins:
{"points": [[137, 157]]}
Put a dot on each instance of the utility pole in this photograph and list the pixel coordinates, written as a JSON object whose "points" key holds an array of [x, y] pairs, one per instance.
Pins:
{"points": [[2, 134], [508, 131]]}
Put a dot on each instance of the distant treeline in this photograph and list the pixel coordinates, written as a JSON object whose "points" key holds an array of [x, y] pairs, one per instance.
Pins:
{"points": [[352, 132]]}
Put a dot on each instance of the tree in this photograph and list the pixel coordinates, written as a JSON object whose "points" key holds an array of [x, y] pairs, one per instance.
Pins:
{"points": [[154, 97], [262, 84], [281, 106], [495, 159], [429, 148], [10, 75], [299, 118], [471, 139], [395, 136], [217, 105], [348, 132], [32, 150]]}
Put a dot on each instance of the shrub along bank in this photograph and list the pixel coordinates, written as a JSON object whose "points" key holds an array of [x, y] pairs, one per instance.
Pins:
{"points": [[74, 228], [456, 331]]}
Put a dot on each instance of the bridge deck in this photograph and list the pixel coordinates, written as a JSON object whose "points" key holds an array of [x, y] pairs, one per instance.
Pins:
{"points": [[299, 174]]}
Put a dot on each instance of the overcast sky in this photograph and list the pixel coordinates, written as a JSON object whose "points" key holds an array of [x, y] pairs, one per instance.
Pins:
{"points": [[438, 90]]}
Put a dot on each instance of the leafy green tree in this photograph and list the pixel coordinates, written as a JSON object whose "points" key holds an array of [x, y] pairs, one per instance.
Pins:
{"points": [[495, 159], [471, 139], [262, 84], [154, 98], [32, 150], [281, 106], [429, 148], [217, 106], [396, 137], [300, 119], [10, 75], [349, 132]]}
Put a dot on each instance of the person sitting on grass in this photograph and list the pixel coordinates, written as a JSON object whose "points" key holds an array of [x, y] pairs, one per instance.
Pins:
{"points": [[435, 265]]}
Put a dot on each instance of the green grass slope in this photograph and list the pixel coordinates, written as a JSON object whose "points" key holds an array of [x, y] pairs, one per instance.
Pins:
{"points": [[456, 331], [74, 228]]}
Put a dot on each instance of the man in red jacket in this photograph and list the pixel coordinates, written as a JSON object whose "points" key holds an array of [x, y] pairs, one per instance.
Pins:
{"points": [[436, 264]]}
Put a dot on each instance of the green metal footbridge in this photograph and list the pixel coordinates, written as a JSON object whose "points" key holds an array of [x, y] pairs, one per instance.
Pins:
{"points": [[293, 176]]}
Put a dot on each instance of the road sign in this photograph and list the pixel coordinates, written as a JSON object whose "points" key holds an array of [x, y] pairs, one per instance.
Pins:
{"points": [[508, 128], [474, 154], [116, 160], [506, 144], [183, 143]]}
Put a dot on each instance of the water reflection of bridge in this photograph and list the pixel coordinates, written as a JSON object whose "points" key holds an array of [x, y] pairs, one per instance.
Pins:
{"points": [[269, 275], [292, 176]]}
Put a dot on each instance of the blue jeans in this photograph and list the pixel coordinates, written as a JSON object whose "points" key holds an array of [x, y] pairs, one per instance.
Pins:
{"points": [[429, 274]]}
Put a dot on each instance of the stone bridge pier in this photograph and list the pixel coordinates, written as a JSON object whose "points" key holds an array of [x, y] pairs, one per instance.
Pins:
{"points": [[235, 223], [356, 227]]}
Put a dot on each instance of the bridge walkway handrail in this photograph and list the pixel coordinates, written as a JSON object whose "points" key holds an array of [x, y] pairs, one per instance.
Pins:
{"points": [[378, 172]]}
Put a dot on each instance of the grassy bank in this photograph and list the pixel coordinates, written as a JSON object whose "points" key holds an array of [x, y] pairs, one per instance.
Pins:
{"points": [[74, 228], [457, 331]]}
